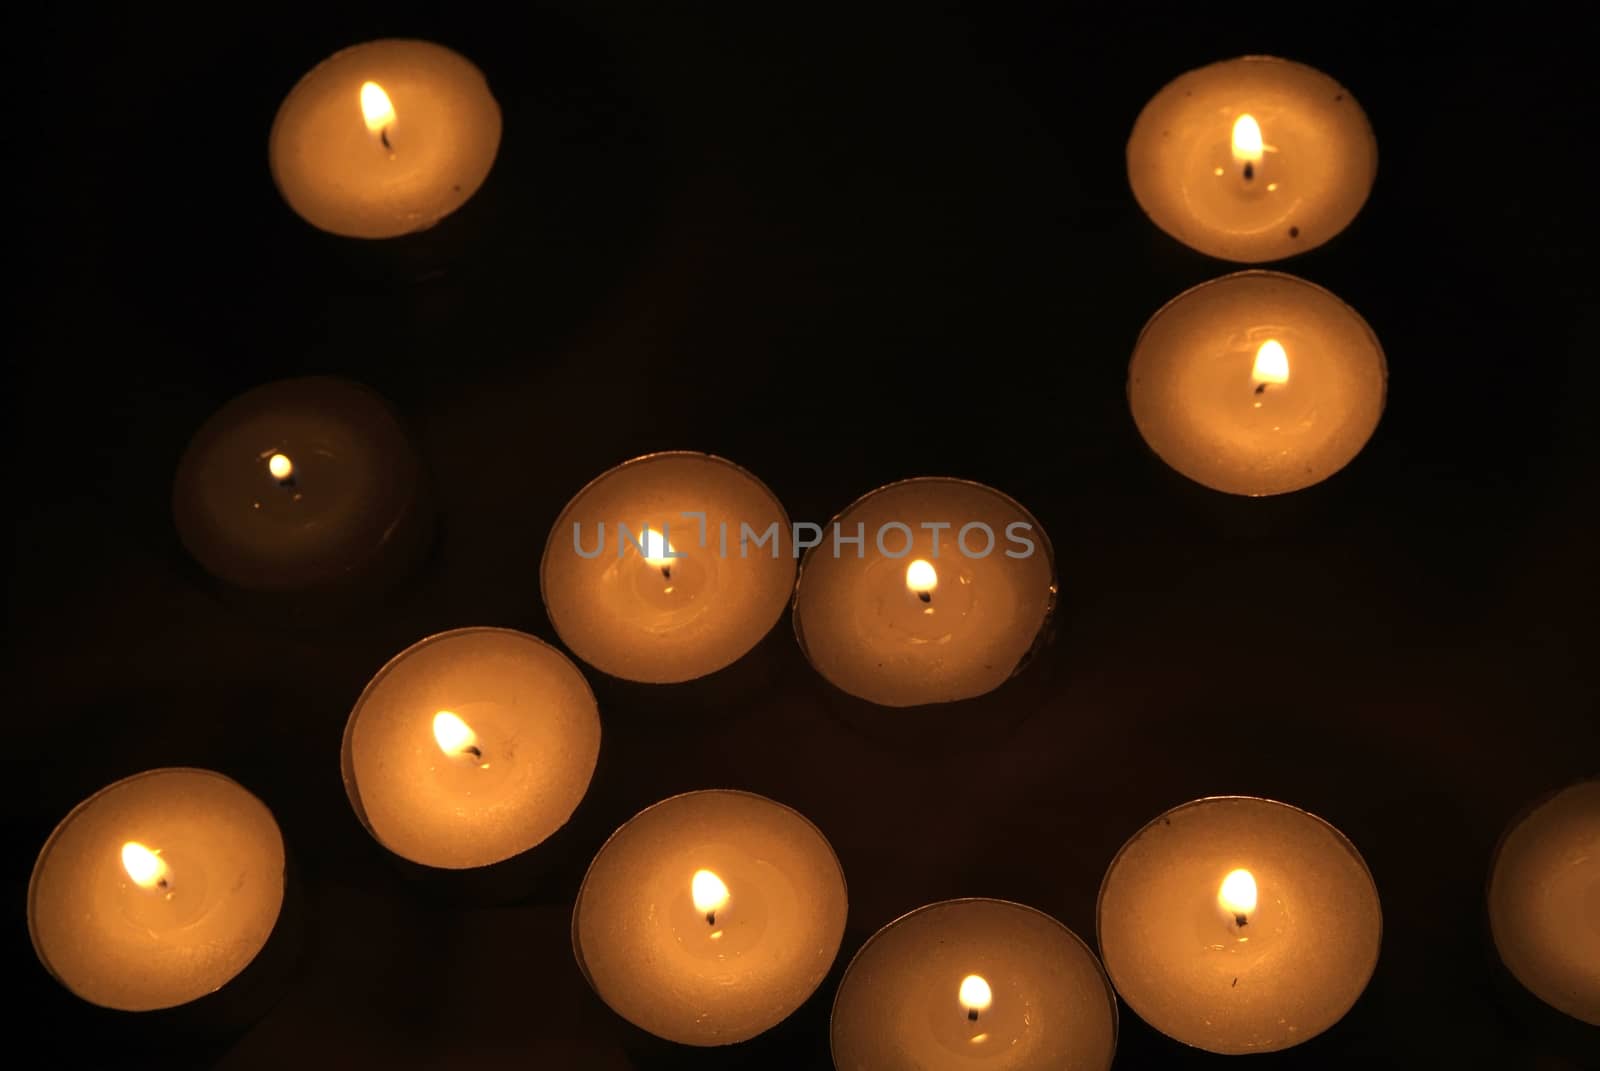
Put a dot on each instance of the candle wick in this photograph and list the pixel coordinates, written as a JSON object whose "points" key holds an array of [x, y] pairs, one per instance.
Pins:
{"points": [[711, 918], [1261, 388], [287, 481], [1241, 920], [972, 1015], [474, 750], [925, 596], [384, 137], [1249, 169], [666, 572]]}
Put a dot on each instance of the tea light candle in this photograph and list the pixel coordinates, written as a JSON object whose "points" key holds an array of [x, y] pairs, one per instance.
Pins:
{"points": [[1544, 901], [668, 567], [157, 890], [1239, 925], [470, 747], [944, 597], [974, 984], [298, 485], [1252, 159], [384, 139], [1257, 383], [710, 917]]}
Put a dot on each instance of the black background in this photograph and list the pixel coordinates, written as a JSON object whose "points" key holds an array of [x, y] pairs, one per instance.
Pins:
{"points": [[840, 249]]}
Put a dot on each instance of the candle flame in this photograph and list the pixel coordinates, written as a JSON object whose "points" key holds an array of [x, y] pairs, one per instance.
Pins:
{"points": [[921, 577], [709, 893], [454, 736], [1272, 363], [976, 996], [1237, 896], [280, 466], [658, 551], [145, 867], [1247, 146], [376, 107]]}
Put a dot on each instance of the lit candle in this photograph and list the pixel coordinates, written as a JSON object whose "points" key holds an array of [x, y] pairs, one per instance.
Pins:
{"points": [[1257, 383], [974, 984], [301, 485], [925, 591], [1252, 159], [384, 139], [157, 890], [710, 917], [470, 747], [1544, 901], [1239, 925], [668, 567]]}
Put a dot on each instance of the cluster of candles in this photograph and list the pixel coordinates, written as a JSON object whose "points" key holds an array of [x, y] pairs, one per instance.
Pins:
{"points": [[1232, 924]]}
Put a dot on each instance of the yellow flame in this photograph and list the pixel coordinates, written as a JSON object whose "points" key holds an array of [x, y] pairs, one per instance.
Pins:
{"points": [[921, 577], [1247, 146], [453, 735], [975, 993], [145, 867], [1272, 363], [280, 466], [709, 893], [376, 107], [657, 548], [1237, 896]]}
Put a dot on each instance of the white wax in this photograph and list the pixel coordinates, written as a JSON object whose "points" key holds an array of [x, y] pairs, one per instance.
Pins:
{"points": [[536, 728], [352, 487], [1186, 966], [655, 958], [1206, 401], [1316, 167], [874, 637], [900, 1006], [626, 616], [120, 945], [1544, 901], [337, 172]]}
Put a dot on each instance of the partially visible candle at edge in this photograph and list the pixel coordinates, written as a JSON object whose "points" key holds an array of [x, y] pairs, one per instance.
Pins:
{"points": [[1544, 901]]}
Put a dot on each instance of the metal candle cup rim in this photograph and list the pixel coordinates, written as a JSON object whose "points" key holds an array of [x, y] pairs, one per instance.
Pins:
{"points": [[1105, 977], [33, 878], [1339, 836], [583, 886], [1036, 528], [1282, 276], [346, 749]]}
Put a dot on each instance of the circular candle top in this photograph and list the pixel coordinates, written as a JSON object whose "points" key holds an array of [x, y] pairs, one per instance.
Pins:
{"points": [[295, 485], [639, 586], [974, 984], [1252, 159], [384, 139], [710, 917], [157, 890], [471, 747], [1257, 383], [944, 598], [1239, 925], [1544, 901]]}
